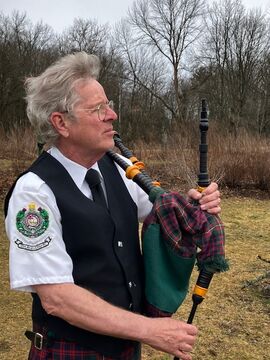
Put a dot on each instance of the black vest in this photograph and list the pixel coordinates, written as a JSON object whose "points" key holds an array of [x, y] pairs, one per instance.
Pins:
{"points": [[104, 248]]}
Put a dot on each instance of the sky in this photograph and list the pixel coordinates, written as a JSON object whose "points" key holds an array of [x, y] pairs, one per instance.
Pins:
{"points": [[59, 14]]}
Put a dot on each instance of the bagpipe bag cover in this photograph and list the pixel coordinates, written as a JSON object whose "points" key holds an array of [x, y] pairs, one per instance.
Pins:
{"points": [[175, 235]]}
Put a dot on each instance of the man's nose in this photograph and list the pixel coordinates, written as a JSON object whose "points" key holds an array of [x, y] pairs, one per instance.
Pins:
{"points": [[111, 115]]}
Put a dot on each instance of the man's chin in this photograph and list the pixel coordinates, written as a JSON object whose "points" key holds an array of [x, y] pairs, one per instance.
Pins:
{"points": [[110, 145]]}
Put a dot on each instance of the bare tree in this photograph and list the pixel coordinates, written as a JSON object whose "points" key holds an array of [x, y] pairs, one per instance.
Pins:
{"points": [[236, 41], [261, 102], [84, 35], [143, 81], [161, 31], [24, 49]]}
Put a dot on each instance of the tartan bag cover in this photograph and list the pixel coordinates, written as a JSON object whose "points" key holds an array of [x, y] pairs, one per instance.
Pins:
{"points": [[174, 235]]}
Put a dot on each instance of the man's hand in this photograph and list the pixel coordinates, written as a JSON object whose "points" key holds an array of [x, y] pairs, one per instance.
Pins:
{"points": [[209, 199], [171, 336]]}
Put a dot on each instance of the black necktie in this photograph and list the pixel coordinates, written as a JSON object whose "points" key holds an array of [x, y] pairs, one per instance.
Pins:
{"points": [[93, 180]]}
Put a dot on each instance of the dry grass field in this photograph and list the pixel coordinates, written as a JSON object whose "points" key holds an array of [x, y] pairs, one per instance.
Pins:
{"points": [[233, 320]]}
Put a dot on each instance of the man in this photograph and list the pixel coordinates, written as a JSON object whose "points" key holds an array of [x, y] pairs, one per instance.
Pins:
{"points": [[81, 260]]}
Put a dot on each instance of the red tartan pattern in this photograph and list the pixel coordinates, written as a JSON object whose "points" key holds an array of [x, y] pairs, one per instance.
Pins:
{"points": [[185, 227], [63, 350], [67, 350]]}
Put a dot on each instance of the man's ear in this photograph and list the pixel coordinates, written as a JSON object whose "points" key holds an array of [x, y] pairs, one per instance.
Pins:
{"points": [[60, 123]]}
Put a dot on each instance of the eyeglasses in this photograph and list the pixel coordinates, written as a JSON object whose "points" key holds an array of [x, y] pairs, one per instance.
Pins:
{"points": [[101, 109]]}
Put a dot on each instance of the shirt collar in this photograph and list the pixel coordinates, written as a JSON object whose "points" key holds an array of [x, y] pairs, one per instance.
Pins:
{"points": [[75, 170]]}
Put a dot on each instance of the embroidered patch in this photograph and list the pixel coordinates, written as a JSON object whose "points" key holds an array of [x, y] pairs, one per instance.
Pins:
{"points": [[32, 223], [35, 247]]}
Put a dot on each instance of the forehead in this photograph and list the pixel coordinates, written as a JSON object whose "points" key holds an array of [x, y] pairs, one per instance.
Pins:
{"points": [[91, 92]]}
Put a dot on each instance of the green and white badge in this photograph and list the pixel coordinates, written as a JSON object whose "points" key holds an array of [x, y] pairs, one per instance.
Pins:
{"points": [[32, 222]]}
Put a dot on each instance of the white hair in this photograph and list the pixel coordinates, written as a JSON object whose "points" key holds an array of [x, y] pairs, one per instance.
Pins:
{"points": [[54, 90]]}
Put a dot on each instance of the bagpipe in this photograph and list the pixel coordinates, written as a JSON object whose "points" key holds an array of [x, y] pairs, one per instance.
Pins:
{"points": [[176, 235]]}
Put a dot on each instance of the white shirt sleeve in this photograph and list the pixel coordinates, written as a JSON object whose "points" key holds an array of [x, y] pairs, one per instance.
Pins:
{"points": [[33, 224]]}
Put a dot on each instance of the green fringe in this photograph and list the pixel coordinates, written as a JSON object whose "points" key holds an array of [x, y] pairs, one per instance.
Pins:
{"points": [[214, 264]]}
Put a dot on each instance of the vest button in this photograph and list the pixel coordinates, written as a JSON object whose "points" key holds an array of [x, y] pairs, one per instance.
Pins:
{"points": [[130, 306], [132, 284], [120, 244]]}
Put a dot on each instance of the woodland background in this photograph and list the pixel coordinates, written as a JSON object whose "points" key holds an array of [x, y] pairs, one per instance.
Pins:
{"points": [[157, 65]]}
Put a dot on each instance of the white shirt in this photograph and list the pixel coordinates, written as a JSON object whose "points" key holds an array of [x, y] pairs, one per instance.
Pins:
{"points": [[37, 250]]}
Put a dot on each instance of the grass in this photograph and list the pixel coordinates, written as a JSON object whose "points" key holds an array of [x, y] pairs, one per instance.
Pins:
{"points": [[233, 320]]}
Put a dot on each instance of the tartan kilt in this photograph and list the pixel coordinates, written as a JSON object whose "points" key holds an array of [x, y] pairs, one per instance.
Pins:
{"points": [[60, 349]]}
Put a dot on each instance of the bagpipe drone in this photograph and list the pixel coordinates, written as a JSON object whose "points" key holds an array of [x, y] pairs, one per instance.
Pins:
{"points": [[176, 235]]}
